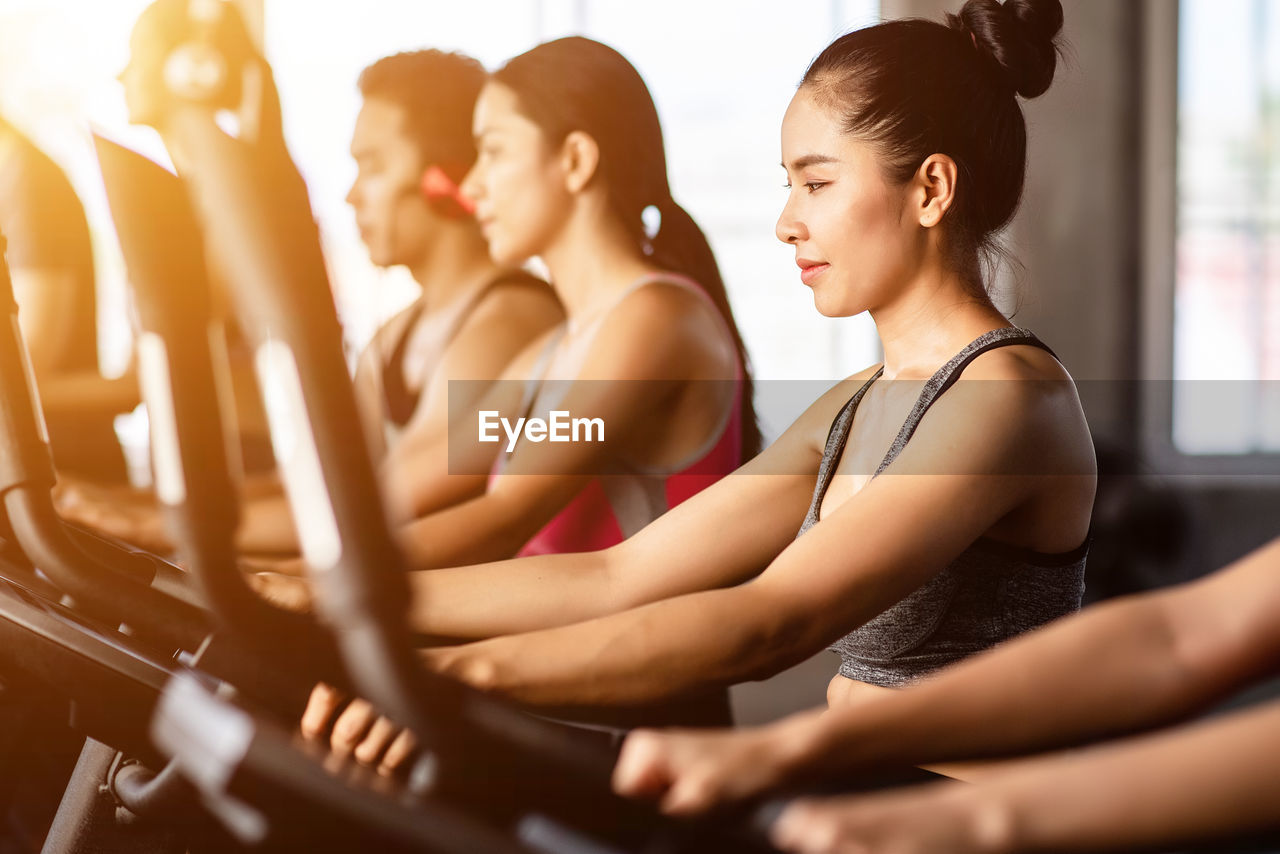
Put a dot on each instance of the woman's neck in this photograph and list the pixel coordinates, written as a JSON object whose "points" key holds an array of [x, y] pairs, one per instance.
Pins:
{"points": [[930, 320], [592, 260]]}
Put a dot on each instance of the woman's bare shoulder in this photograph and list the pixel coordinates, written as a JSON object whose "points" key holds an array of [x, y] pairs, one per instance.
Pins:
{"points": [[1015, 407], [671, 303], [662, 330], [1017, 362], [814, 424], [1023, 383], [518, 298]]}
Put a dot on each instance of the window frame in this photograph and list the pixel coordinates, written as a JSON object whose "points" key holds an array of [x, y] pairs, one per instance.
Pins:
{"points": [[1159, 232]]}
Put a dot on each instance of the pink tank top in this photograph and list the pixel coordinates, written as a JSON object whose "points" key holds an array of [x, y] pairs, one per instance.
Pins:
{"points": [[615, 506]]}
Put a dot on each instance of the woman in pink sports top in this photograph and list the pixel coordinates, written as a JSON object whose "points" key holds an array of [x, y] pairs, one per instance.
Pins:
{"points": [[571, 169], [615, 505]]}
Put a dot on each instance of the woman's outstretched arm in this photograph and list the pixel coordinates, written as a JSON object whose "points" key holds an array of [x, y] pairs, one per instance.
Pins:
{"points": [[755, 514], [1123, 665], [723, 535], [894, 534], [1213, 781], [720, 536]]}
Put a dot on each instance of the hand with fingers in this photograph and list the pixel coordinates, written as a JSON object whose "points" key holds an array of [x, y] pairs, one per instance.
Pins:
{"points": [[294, 567], [693, 771], [281, 589], [921, 820], [354, 728]]}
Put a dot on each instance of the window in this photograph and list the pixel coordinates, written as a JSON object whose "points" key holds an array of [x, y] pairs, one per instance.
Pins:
{"points": [[1211, 170], [1226, 333]]}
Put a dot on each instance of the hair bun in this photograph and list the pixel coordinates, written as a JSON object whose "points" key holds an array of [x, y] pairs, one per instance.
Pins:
{"points": [[1019, 35]]}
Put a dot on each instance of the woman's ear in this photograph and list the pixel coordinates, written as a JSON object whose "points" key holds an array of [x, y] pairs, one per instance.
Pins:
{"points": [[579, 157], [935, 184]]}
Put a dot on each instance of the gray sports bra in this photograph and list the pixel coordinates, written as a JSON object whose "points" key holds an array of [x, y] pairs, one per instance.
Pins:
{"points": [[989, 593]]}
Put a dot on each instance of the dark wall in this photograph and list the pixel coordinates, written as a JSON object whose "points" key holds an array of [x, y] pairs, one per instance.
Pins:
{"points": [[1079, 239]]}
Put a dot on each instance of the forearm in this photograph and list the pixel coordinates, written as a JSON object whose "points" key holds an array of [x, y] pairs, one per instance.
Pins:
{"points": [[483, 529], [1202, 782], [512, 596], [416, 480], [658, 651], [1111, 670]]}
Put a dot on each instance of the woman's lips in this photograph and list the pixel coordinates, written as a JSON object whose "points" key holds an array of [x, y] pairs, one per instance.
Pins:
{"points": [[812, 272]]}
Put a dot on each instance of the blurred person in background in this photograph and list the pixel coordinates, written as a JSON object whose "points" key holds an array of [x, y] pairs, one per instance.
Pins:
{"points": [[50, 258]]}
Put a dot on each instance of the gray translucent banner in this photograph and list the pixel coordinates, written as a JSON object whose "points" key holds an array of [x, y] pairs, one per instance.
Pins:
{"points": [[598, 428]]}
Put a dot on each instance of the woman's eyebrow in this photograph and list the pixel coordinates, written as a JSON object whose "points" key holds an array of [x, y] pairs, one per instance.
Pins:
{"points": [[809, 160]]}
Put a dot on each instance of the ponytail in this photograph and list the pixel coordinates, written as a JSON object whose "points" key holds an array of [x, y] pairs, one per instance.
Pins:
{"points": [[680, 246]]}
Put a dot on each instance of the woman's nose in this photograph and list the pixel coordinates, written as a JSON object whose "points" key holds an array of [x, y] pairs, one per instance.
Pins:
{"points": [[789, 229]]}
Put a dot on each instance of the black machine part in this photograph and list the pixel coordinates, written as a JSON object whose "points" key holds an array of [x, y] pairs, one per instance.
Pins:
{"points": [[164, 253], [26, 479]]}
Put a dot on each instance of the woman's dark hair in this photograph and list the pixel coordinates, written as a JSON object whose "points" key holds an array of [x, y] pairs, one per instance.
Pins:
{"points": [[915, 88], [576, 84], [437, 92]]}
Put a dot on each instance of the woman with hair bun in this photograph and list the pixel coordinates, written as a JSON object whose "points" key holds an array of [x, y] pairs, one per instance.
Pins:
{"points": [[936, 518]]}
